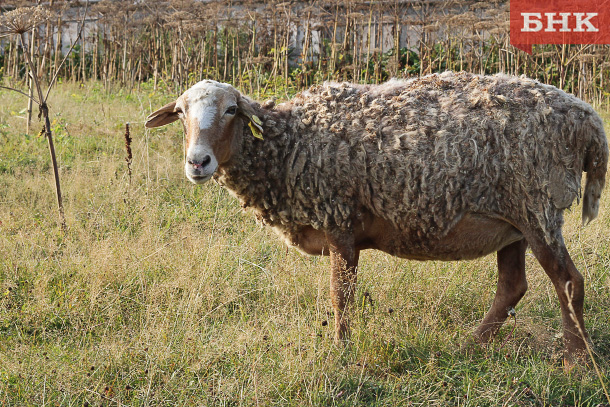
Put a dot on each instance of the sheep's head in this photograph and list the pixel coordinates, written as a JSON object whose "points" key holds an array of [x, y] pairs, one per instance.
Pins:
{"points": [[212, 114]]}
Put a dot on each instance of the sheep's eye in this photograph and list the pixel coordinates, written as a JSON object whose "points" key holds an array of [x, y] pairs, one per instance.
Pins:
{"points": [[178, 110], [231, 110]]}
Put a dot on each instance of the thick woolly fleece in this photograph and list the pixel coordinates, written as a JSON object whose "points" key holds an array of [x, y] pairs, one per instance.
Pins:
{"points": [[421, 154]]}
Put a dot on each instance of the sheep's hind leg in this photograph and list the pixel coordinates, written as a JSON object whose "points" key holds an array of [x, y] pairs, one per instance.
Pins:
{"points": [[558, 265], [511, 288], [343, 263]]}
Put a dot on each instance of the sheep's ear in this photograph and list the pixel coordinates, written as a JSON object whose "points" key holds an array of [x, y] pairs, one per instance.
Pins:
{"points": [[254, 122], [166, 115]]}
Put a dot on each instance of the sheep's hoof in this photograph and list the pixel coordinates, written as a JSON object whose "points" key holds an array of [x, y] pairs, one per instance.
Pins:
{"points": [[572, 359], [342, 335], [341, 341], [472, 345]]}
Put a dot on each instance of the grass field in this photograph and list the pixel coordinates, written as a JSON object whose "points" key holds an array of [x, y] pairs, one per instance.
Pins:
{"points": [[162, 293]]}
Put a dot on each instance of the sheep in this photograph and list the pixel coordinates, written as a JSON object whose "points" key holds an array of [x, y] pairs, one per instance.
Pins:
{"points": [[447, 166]]}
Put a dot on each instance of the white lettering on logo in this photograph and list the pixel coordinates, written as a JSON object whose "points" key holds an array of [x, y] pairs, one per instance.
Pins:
{"points": [[532, 22], [551, 21], [580, 22], [527, 22]]}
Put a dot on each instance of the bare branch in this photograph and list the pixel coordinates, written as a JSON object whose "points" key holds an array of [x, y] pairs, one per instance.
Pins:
{"points": [[32, 70], [24, 94], [80, 32]]}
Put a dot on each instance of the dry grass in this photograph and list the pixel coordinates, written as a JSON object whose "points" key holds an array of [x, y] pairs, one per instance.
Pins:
{"points": [[164, 293]]}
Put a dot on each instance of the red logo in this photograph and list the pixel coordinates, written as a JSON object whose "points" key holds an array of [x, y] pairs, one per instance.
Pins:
{"points": [[559, 22]]}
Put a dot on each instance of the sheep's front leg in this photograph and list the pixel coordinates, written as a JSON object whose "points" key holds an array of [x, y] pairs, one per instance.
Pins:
{"points": [[343, 269]]}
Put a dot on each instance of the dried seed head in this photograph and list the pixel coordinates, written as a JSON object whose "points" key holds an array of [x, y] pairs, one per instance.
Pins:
{"points": [[23, 19]]}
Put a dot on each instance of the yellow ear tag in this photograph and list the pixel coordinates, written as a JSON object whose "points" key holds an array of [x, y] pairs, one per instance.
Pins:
{"points": [[256, 126]]}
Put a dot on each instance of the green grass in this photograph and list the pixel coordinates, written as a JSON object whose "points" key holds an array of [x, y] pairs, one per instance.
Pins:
{"points": [[162, 293]]}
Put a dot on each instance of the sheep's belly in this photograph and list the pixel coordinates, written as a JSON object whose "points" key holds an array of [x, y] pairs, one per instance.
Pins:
{"points": [[473, 236]]}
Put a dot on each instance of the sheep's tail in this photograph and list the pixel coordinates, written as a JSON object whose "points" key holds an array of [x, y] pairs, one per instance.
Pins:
{"points": [[596, 165], [590, 202]]}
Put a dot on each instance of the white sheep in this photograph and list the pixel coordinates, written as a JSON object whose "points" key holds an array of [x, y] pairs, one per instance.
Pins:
{"points": [[444, 167]]}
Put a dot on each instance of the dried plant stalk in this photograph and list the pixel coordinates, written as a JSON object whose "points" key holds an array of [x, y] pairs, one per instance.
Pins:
{"points": [[18, 22], [279, 46], [128, 157]]}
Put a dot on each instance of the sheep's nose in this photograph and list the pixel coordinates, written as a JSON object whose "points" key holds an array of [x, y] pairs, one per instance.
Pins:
{"points": [[200, 163]]}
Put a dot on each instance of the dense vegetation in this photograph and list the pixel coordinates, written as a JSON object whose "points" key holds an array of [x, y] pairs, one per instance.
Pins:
{"points": [[274, 46]]}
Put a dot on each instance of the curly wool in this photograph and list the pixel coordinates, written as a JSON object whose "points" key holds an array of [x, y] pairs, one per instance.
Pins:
{"points": [[421, 154]]}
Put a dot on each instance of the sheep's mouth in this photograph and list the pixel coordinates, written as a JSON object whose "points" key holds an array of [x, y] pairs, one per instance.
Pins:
{"points": [[199, 179]]}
